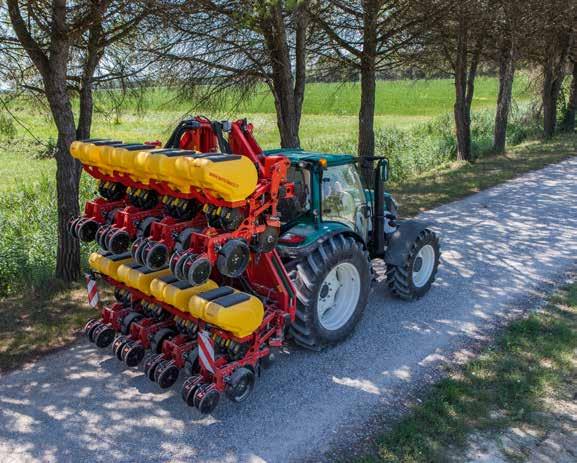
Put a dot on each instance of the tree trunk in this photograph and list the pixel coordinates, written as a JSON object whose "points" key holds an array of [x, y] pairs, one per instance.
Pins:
{"points": [[86, 106], [67, 179], [569, 118], [366, 145], [551, 89], [553, 77], [282, 85], [465, 75], [462, 116], [302, 24], [506, 77], [86, 103]]}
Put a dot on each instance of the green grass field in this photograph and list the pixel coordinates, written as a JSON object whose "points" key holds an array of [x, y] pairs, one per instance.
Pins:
{"points": [[329, 123], [395, 98]]}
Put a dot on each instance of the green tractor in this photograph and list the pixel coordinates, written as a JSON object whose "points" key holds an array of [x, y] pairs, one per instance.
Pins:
{"points": [[331, 230]]}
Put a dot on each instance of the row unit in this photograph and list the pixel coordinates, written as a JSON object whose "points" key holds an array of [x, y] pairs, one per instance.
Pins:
{"points": [[227, 176], [225, 307]]}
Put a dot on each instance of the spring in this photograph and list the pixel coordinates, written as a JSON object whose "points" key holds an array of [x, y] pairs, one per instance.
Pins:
{"points": [[180, 209], [186, 326], [153, 310], [233, 348], [225, 218], [143, 199], [111, 190]]}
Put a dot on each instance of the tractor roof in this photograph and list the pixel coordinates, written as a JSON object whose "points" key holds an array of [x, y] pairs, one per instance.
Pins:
{"points": [[296, 155]]}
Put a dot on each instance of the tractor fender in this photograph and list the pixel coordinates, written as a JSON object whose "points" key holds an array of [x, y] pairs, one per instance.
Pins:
{"points": [[399, 243], [303, 251]]}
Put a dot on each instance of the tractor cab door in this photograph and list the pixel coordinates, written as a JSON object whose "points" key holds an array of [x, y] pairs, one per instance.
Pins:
{"points": [[343, 198]]}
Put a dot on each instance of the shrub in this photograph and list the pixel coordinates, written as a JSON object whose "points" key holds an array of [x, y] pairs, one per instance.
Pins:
{"points": [[7, 128], [28, 231], [47, 150]]}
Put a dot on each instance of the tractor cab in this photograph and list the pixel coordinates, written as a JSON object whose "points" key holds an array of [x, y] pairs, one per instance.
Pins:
{"points": [[329, 196]]}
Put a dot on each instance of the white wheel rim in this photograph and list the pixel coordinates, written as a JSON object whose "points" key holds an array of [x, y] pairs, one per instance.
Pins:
{"points": [[423, 266], [338, 296]]}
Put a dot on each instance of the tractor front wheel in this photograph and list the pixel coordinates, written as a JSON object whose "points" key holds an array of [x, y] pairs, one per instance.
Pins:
{"points": [[414, 278], [332, 286]]}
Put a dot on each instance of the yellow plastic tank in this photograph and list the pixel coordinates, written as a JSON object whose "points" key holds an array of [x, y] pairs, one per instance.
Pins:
{"points": [[176, 292], [138, 277], [122, 158], [229, 309], [90, 152], [227, 176], [108, 265]]}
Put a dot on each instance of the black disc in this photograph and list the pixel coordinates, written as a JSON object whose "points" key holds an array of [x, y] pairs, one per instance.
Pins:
{"points": [[191, 364], [266, 362], [103, 336], [135, 246], [197, 269], [189, 388], [207, 401], [118, 241], [230, 218], [156, 256], [240, 384], [150, 365], [87, 231], [142, 252], [134, 355], [179, 267], [90, 327], [233, 258], [117, 346], [125, 348], [166, 374], [101, 235], [72, 226], [267, 240], [174, 258]]}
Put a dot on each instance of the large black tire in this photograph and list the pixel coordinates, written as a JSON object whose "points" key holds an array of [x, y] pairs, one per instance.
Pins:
{"points": [[400, 278], [308, 276]]}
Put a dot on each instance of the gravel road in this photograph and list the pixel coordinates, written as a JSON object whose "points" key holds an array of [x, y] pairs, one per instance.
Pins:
{"points": [[502, 248]]}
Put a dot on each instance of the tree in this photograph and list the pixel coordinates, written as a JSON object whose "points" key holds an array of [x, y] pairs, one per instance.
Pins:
{"points": [[510, 25], [368, 36], [569, 118], [454, 45], [58, 40], [548, 47], [238, 44]]}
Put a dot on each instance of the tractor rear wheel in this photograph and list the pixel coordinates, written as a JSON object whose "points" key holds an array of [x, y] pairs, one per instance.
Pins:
{"points": [[332, 286], [414, 278]]}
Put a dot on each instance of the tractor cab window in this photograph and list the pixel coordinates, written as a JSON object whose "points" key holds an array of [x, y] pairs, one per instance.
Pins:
{"points": [[293, 208], [343, 197]]}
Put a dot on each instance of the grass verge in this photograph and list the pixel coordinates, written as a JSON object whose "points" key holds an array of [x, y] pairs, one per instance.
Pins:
{"points": [[37, 323], [458, 180], [503, 386]]}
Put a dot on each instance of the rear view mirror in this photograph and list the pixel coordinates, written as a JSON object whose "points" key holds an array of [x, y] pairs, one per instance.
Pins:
{"points": [[384, 165]]}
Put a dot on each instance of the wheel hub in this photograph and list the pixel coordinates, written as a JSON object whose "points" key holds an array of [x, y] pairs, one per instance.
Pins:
{"points": [[423, 266], [418, 264], [338, 296]]}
